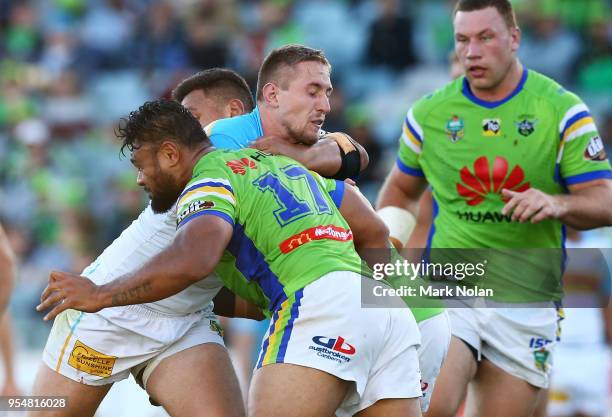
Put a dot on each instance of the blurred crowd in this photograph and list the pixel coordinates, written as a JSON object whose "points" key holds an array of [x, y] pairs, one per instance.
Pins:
{"points": [[69, 69]]}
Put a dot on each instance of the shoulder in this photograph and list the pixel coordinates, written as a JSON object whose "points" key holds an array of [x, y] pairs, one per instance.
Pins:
{"points": [[234, 132], [213, 162], [547, 89], [233, 124], [434, 100]]}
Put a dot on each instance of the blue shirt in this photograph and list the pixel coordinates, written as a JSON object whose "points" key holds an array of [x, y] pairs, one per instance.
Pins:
{"points": [[235, 132]]}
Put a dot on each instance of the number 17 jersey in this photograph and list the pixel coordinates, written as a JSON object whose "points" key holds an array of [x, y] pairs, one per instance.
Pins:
{"points": [[288, 231]]}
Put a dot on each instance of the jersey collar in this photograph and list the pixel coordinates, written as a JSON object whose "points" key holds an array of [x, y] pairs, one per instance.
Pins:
{"points": [[467, 91]]}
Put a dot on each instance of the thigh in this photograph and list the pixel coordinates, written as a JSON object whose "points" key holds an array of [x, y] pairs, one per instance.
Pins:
{"points": [[89, 349], [495, 392], [457, 371], [83, 400], [199, 381], [281, 390], [522, 341], [322, 327], [393, 407]]}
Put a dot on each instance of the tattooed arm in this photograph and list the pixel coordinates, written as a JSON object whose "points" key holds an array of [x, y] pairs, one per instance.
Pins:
{"points": [[193, 255]]}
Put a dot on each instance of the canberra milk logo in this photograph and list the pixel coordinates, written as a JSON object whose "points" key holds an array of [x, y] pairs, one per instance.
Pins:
{"points": [[486, 179], [337, 349]]}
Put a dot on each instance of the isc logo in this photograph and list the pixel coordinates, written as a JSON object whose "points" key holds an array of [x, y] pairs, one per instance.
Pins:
{"points": [[538, 342], [339, 344]]}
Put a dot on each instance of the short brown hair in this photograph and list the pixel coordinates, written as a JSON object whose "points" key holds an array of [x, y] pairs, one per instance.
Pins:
{"points": [[503, 7], [222, 83], [286, 56]]}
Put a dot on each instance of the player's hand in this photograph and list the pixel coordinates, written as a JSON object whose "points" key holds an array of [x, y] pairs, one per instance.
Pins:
{"points": [[531, 205], [66, 290], [275, 146]]}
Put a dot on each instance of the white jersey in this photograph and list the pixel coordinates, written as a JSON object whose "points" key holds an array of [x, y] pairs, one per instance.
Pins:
{"points": [[147, 236]]}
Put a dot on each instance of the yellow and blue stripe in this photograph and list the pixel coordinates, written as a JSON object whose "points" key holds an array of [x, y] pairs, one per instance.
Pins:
{"points": [[215, 186], [274, 347], [412, 134], [576, 122]]}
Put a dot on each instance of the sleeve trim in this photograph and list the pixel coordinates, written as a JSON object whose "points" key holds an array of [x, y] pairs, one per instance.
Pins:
{"points": [[337, 194], [408, 170], [217, 213], [588, 176]]}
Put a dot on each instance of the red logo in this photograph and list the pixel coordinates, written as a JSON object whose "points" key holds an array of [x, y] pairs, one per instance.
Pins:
{"points": [[239, 166], [315, 233], [339, 344], [486, 179]]}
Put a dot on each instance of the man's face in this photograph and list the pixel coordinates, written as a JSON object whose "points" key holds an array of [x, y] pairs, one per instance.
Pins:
{"points": [[485, 46], [205, 109], [162, 188], [303, 105]]}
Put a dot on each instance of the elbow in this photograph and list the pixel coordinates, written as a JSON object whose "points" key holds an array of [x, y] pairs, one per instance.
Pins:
{"points": [[364, 158], [380, 232]]}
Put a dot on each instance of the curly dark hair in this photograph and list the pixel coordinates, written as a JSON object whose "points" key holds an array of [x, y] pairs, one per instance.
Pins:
{"points": [[159, 120], [221, 83]]}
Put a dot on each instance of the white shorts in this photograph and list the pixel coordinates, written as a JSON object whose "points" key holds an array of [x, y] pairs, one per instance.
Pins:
{"points": [[518, 340], [580, 381], [323, 326], [91, 349], [435, 339]]}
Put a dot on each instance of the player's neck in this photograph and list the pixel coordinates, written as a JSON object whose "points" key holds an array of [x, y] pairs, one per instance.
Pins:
{"points": [[193, 159], [270, 125], [503, 89]]}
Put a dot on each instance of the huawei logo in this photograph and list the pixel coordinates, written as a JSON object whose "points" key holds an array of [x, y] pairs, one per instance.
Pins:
{"points": [[489, 179], [239, 166]]}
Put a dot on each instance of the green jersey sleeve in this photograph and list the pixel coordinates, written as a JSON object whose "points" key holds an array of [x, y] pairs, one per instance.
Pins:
{"points": [[411, 142], [582, 156], [208, 193], [335, 188]]}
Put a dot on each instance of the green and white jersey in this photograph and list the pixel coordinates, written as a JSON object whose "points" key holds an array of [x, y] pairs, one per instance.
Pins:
{"points": [[540, 136], [288, 231]]}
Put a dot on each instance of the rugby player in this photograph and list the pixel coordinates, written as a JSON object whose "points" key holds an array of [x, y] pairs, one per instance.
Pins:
{"points": [[265, 221], [208, 95], [169, 346], [506, 143]]}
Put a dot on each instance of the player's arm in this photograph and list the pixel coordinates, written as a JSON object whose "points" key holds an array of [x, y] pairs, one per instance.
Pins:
{"points": [[587, 205], [335, 155], [397, 203], [583, 165], [369, 230], [7, 268], [228, 304], [193, 255]]}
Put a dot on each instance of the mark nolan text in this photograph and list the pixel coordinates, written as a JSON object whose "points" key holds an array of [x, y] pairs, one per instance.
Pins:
{"points": [[429, 291]]}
